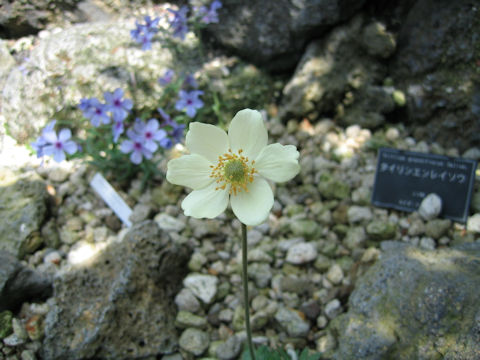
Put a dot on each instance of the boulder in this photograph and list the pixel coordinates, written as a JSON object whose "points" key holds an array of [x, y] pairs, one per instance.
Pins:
{"points": [[414, 304], [23, 211], [120, 304], [83, 60], [86, 60], [273, 33], [339, 75], [436, 65], [22, 18], [19, 283]]}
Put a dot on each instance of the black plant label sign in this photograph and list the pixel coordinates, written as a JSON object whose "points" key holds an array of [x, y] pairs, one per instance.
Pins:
{"points": [[404, 178]]}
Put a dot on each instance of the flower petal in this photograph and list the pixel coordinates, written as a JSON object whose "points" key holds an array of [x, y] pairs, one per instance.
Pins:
{"points": [[127, 104], [118, 93], [247, 132], [126, 146], [206, 140], [70, 147], [64, 135], [152, 125], [48, 150], [58, 155], [136, 157], [150, 146], [278, 162], [253, 207], [206, 202], [190, 170], [50, 136]]}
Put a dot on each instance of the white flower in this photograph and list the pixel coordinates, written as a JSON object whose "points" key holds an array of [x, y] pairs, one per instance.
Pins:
{"points": [[232, 167]]}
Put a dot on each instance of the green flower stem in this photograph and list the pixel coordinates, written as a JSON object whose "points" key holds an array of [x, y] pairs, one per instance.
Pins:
{"points": [[245, 291]]}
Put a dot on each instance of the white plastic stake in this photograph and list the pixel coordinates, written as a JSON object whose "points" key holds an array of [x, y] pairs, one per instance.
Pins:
{"points": [[103, 188]]}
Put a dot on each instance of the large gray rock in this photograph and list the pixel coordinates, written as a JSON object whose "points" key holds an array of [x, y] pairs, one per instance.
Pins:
{"points": [[21, 18], [436, 65], [23, 211], [339, 75], [81, 61], [19, 283], [272, 33], [414, 304], [120, 305], [85, 60]]}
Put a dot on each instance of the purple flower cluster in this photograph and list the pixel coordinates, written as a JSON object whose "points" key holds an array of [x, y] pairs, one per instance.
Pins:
{"points": [[209, 15], [144, 140], [143, 33], [48, 143], [189, 102], [179, 22], [175, 130], [114, 107], [167, 78], [188, 97]]}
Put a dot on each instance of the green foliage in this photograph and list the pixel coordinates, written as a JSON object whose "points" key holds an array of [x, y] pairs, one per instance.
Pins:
{"points": [[265, 353]]}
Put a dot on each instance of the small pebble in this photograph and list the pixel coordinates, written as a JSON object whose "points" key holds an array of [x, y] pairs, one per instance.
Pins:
{"points": [[430, 207]]}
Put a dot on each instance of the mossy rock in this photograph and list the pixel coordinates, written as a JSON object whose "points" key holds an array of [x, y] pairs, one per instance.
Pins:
{"points": [[334, 189], [305, 228], [414, 304], [381, 230], [5, 324], [23, 211]]}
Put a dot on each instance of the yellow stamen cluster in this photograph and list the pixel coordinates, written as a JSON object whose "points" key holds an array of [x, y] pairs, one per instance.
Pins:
{"points": [[234, 170]]}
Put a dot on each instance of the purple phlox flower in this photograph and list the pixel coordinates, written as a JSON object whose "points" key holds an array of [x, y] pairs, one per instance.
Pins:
{"points": [[208, 16], [136, 147], [146, 40], [97, 113], [84, 105], [166, 143], [150, 133], [117, 129], [177, 132], [179, 22], [38, 144], [151, 24], [189, 102], [143, 33], [118, 107], [58, 145], [190, 81], [167, 119], [135, 33], [167, 77]]}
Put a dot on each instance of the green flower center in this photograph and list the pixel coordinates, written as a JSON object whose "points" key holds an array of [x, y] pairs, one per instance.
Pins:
{"points": [[234, 171]]}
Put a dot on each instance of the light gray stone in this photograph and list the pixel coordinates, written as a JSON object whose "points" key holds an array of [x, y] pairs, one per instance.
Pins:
{"points": [[186, 301], [427, 243], [194, 341], [335, 274], [358, 214], [301, 253], [333, 308], [230, 349], [473, 223], [186, 319], [430, 207], [202, 286], [291, 322], [169, 223]]}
